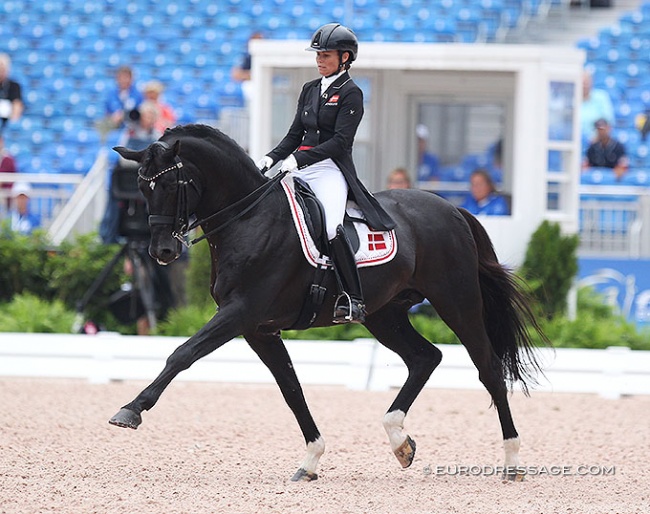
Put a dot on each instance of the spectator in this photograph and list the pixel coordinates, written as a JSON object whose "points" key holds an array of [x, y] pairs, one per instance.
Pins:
{"points": [[427, 162], [241, 72], [398, 179], [11, 100], [596, 105], [606, 152], [22, 220], [483, 197], [166, 117], [122, 101], [7, 165]]}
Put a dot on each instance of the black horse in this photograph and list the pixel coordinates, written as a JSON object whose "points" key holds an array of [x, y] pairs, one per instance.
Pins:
{"points": [[260, 278]]}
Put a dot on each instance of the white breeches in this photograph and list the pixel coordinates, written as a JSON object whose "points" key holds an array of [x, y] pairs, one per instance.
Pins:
{"points": [[329, 186]]}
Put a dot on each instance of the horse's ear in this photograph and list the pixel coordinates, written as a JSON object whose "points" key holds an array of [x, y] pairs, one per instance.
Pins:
{"points": [[177, 147], [129, 155]]}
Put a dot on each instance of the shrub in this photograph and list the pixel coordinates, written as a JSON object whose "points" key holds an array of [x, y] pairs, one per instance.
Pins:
{"points": [[596, 326], [549, 267], [185, 321], [27, 313], [22, 260], [198, 276], [72, 270]]}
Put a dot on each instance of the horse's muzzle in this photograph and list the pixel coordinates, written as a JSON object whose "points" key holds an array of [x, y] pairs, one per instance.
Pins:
{"points": [[167, 252]]}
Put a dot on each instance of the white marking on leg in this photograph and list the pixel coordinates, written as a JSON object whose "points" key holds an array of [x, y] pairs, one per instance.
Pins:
{"points": [[393, 424], [315, 450], [511, 447]]}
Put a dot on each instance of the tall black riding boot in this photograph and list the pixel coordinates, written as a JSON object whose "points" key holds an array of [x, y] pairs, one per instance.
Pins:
{"points": [[349, 307]]}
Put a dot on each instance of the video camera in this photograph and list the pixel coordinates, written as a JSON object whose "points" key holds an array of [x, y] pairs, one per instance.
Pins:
{"points": [[133, 212]]}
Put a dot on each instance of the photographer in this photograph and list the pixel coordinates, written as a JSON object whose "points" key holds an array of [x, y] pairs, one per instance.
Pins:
{"points": [[122, 101], [140, 135]]}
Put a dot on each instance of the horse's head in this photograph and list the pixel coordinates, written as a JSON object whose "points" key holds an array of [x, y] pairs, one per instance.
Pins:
{"points": [[171, 196]]}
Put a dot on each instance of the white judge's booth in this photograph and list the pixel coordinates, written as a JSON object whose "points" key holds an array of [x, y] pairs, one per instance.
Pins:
{"points": [[443, 110]]}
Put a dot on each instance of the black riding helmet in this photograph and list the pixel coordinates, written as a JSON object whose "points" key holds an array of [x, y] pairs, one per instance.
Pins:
{"points": [[335, 36]]}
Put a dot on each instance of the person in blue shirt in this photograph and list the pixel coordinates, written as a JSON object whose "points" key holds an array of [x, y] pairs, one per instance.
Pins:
{"points": [[483, 197], [21, 219], [428, 164], [596, 104], [123, 98]]}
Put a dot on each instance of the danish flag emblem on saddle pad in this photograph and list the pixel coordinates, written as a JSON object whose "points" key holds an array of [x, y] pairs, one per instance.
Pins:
{"points": [[375, 248]]}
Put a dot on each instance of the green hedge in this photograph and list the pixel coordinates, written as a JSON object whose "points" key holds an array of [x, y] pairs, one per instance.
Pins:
{"points": [[40, 287]]}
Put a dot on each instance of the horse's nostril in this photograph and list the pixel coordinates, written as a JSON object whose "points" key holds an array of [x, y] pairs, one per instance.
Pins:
{"points": [[164, 254]]}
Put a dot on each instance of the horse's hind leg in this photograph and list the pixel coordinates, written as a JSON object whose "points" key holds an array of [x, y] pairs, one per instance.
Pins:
{"points": [[392, 328], [273, 353], [470, 329]]}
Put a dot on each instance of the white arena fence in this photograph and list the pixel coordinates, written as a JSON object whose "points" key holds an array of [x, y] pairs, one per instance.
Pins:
{"points": [[362, 364]]}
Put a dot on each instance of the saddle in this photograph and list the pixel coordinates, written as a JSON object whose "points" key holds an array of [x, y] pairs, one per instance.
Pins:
{"points": [[315, 221], [315, 218]]}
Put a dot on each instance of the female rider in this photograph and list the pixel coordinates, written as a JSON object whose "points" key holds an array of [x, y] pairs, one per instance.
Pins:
{"points": [[318, 149]]}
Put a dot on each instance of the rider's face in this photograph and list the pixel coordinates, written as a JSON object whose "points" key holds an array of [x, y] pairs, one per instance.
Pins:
{"points": [[327, 62]]}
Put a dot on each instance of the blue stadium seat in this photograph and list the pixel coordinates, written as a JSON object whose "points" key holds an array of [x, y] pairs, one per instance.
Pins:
{"points": [[602, 176], [468, 24], [637, 178]]}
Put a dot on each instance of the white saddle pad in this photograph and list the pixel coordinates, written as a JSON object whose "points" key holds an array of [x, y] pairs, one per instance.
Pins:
{"points": [[375, 248]]}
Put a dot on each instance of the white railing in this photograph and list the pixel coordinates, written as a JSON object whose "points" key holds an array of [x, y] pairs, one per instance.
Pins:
{"points": [[615, 221], [85, 207], [48, 196], [362, 364]]}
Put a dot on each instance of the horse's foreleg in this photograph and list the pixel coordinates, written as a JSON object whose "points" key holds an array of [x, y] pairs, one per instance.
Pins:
{"points": [[218, 331], [273, 353], [392, 328]]}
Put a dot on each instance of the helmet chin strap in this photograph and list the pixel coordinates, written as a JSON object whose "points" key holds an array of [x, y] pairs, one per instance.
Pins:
{"points": [[341, 63]]}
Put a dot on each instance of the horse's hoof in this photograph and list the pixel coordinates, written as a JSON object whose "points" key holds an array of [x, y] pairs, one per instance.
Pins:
{"points": [[513, 476], [126, 418], [304, 476], [406, 452]]}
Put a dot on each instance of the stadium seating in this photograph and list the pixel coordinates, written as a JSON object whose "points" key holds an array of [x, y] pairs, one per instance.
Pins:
{"points": [[64, 53], [618, 56]]}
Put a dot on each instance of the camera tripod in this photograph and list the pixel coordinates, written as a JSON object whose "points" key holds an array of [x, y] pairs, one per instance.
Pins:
{"points": [[142, 281]]}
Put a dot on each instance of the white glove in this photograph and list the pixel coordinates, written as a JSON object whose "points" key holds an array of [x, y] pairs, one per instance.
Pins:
{"points": [[264, 163], [289, 164]]}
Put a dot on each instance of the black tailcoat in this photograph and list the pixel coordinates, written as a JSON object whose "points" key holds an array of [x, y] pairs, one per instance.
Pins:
{"points": [[328, 122]]}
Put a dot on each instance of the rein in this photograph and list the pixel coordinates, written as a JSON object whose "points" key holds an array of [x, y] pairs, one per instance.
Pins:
{"points": [[181, 220], [249, 201]]}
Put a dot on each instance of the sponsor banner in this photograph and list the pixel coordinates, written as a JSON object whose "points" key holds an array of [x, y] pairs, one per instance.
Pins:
{"points": [[625, 283]]}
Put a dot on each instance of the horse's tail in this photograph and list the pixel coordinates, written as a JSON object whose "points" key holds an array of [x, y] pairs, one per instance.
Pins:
{"points": [[506, 312]]}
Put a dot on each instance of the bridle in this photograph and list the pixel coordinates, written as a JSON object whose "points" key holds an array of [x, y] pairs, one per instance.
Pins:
{"points": [[180, 222]]}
